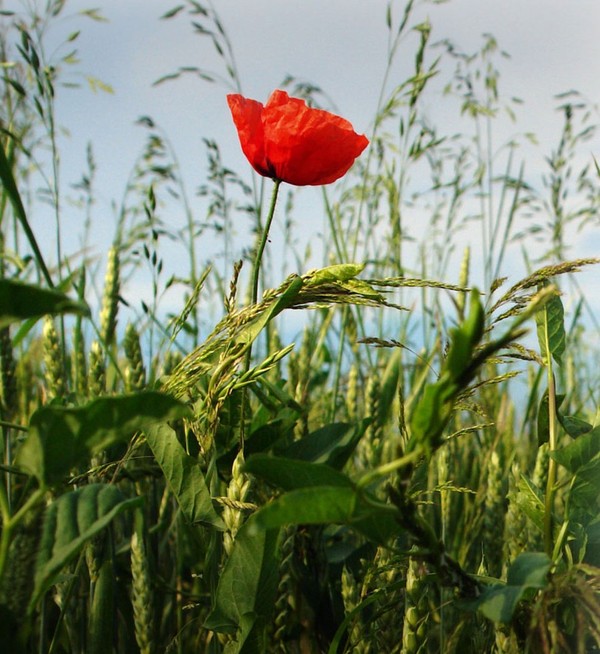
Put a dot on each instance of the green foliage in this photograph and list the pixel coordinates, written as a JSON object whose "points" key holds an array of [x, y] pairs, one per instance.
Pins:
{"points": [[370, 479], [20, 301], [183, 475], [245, 593], [69, 523], [528, 572], [551, 329], [61, 438]]}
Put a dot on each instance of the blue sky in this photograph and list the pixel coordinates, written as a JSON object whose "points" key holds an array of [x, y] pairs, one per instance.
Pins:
{"points": [[339, 45]]}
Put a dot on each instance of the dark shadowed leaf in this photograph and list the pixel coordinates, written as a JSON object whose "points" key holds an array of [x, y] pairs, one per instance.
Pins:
{"points": [[290, 474], [20, 302], [332, 445], [574, 426], [60, 438], [498, 602], [69, 523]]}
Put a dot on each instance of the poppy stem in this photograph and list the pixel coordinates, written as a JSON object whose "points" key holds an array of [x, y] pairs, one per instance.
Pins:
{"points": [[263, 242], [254, 297]]}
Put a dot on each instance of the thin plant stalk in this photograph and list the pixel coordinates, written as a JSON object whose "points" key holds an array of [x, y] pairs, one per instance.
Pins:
{"points": [[254, 282], [262, 244], [552, 438]]}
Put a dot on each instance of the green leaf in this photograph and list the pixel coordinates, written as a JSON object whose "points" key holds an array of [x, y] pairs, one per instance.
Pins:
{"points": [[551, 329], [248, 583], [529, 569], [431, 414], [61, 438], [574, 426], [585, 490], [579, 452], [340, 272], [464, 339], [184, 476], [332, 445], [529, 500], [330, 505], [249, 333], [69, 523], [499, 602], [290, 474], [20, 301], [11, 190]]}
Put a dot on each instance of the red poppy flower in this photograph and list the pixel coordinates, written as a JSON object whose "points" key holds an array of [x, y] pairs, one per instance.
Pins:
{"points": [[291, 142]]}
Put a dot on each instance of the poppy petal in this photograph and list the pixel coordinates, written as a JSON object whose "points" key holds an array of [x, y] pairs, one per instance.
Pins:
{"points": [[289, 141], [247, 117]]}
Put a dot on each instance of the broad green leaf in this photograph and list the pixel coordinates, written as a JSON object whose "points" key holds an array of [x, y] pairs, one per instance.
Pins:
{"points": [[529, 500], [314, 505], [248, 583], [529, 569], [60, 438], [330, 505], [332, 444], [592, 532], [498, 602], [574, 426], [551, 329], [290, 474], [585, 490], [580, 452], [69, 523], [184, 476], [20, 302]]}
